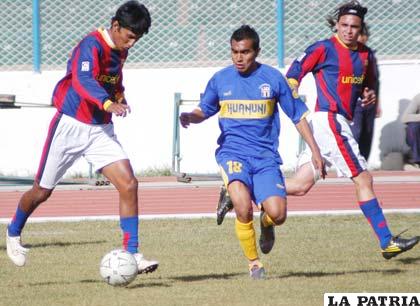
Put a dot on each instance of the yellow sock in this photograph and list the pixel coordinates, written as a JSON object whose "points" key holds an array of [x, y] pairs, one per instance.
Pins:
{"points": [[266, 220], [246, 236]]}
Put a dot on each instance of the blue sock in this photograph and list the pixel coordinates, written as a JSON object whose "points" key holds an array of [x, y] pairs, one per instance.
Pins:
{"points": [[18, 222], [373, 213], [130, 227]]}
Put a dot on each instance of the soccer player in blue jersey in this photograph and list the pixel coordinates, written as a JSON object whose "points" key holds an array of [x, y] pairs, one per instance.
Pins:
{"points": [[344, 71], [247, 96], [86, 98]]}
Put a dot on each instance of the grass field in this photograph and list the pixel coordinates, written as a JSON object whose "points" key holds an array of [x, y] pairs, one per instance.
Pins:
{"points": [[201, 264]]}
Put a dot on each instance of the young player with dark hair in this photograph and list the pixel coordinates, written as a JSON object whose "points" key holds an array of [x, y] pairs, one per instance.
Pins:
{"points": [[344, 70], [247, 96], [86, 98]]}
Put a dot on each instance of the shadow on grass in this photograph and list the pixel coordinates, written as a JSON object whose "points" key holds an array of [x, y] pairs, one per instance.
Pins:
{"points": [[328, 274], [41, 284], [196, 278], [148, 285], [134, 285], [57, 244], [98, 281], [63, 244], [409, 261]]}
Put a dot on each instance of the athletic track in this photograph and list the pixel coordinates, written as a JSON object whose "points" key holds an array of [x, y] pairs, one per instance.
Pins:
{"points": [[164, 196]]}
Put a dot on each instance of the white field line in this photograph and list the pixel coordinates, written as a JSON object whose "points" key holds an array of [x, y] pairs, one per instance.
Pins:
{"points": [[204, 215]]}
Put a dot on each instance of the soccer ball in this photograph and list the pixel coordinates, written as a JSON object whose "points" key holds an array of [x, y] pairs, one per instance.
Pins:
{"points": [[118, 268]]}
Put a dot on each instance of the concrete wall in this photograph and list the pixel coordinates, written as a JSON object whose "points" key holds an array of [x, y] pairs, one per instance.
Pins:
{"points": [[146, 133]]}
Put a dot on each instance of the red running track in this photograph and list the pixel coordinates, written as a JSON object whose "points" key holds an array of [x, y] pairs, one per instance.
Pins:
{"points": [[191, 199]]}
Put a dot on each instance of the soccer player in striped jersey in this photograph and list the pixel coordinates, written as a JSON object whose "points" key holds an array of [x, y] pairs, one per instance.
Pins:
{"points": [[86, 98], [247, 96], [344, 71]]}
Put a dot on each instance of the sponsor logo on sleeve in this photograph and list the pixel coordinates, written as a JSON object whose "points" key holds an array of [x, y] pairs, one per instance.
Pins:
{"points": [[85, 66], [300, 58]]}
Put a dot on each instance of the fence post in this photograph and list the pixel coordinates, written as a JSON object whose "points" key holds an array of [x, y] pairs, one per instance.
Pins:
{"points": [[176, 137], [280, 33], [36, 35]]}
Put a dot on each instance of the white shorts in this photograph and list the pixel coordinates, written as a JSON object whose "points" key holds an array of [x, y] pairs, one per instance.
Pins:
{"points": [[69, 139], [338, 147]]}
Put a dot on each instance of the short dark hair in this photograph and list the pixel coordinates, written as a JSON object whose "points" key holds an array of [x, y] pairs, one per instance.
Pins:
{"points": [[246, 32], [133, 16], [348, 8]]}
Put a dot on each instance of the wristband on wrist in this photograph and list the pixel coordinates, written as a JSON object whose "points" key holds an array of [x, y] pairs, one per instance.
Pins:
{"points": [[107, 104]]}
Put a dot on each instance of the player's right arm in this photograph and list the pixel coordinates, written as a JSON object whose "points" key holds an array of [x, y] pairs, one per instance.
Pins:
{"points": [[307, 62], [209, 105], [196, 116]]}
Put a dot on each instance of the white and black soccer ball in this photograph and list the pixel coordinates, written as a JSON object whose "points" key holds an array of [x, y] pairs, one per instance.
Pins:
{"points": [[118, 268]]}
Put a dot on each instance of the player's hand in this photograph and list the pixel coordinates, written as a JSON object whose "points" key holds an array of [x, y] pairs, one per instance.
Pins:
{"points": [[185, 119], [119, 109], [368, 97], [319, 164]]}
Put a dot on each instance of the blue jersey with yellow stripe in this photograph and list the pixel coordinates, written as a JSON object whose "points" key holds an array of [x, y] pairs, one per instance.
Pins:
{"points": [[248, 109]]}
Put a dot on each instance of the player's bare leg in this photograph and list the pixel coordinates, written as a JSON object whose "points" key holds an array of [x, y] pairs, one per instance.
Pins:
{"points": [[391, 245], [120, 174], [29, 201], [244, 227], [302, 181], [273, 213]]}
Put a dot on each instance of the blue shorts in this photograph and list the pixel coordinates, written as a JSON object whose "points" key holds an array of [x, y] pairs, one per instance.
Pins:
{"points": [[262, 176]]}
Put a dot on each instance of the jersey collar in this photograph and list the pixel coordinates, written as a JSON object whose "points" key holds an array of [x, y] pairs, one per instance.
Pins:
{"points": [[105, 35], [343, 44]]}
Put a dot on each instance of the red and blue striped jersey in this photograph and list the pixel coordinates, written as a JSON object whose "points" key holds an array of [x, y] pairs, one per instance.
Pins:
{"points": [[94, 75], [340, 74]]}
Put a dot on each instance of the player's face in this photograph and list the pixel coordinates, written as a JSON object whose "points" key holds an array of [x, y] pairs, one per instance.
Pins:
{"points": [[123, 38], [244, 55], [348, 29]]}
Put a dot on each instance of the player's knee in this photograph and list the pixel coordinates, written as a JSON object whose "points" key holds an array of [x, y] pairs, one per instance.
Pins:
{"points": [[280, 219], [244, 213], [130, 186], [40, 195], [364, 180], [301, 189]]}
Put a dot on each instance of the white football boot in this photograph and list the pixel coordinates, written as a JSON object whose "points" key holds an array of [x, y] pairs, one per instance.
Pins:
{"points": [[15, 251], [144, 265]]}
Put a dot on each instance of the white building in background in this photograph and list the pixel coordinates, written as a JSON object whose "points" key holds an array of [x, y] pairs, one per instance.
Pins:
{"points": [[147, 132]]}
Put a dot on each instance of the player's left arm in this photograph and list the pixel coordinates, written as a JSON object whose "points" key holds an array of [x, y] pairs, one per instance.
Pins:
{"points": [[305, 131], [297, 111], [119, 90], [371, 83]]}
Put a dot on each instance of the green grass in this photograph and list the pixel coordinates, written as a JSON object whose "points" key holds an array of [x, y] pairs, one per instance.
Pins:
{"points": [[202, 264]]}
